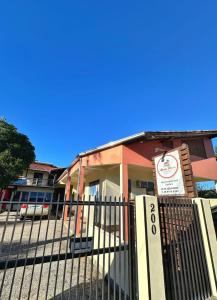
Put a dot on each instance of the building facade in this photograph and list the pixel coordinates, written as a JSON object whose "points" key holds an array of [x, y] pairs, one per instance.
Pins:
{"points": [[37, 183], [124, 167]]}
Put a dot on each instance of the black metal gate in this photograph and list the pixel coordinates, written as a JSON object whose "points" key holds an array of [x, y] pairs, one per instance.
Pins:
{"points": [[41, 257], [185, 267]]}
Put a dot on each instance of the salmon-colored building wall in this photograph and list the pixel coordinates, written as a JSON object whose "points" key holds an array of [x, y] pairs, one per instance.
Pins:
{"points": [[141, 153]]}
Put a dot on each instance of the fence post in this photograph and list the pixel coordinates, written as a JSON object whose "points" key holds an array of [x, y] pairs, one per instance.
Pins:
{"points": [[149, 252], [132, 257], [209, 239]]}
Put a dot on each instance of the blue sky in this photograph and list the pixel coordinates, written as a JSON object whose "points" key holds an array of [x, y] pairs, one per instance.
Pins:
{"points": [[77, 74]]}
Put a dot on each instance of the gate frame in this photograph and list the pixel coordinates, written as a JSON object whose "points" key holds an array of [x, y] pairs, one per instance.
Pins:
{"points": [[209, 240], [151, 285]]}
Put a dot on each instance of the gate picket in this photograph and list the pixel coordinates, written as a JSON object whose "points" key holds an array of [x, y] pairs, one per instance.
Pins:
{"points": [[42, 258], [185, 269]]}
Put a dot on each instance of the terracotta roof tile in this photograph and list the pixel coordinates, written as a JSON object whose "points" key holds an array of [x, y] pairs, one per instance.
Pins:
{"points": [[42, 167]]}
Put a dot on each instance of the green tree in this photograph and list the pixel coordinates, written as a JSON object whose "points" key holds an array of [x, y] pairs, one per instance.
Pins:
{"points": [[16, 153], [216, 151]]}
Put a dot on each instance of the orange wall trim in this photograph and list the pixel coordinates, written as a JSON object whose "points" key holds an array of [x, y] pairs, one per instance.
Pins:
{"points": [[105, 157]]}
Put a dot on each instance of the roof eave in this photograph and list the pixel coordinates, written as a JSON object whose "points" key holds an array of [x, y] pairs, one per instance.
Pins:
{"points": [[152, 135]]}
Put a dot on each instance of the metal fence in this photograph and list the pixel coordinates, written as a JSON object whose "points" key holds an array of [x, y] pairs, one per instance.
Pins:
{"points": [[68, 249], [185, 267]]}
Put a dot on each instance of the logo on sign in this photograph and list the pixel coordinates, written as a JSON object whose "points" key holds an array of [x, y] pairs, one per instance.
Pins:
{"points": [[167, 166]]}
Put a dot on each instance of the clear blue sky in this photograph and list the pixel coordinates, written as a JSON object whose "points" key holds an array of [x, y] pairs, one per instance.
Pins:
{"points": [[77, 74]]}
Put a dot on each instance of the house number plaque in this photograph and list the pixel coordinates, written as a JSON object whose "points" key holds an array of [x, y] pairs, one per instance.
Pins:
{"points": [[153, 219]]}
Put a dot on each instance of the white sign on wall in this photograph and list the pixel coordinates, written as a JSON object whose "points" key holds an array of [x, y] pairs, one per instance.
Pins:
{"points": [[169, 175]]}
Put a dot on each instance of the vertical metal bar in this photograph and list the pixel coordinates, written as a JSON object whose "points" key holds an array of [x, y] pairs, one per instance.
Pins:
{"points": [[115, 258], [176, 244], [60, 245], [98, 255], [20, 241], [171, 252], [120, 254], [6, 222], [2, 198], [9, 251], [91, 269], [196, 254], [176, 250], [130, 252], [27, 250], [44, 250], [52, 247], [132, 256], [104, 240], [73, 246], [87, 238], [165, 254], [36, 250], [201, 254], [187, 223], [203, 258], [69, 210], [78, 222], [124, 240], [198, 249], [185, 257], [79, 258], [109, 254], [192, 250]]}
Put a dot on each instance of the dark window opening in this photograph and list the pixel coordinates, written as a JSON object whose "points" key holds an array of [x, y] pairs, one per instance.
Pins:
{"points": [[129, 187], [94, 188], [148, 185], [38, 177], [33, 197]]}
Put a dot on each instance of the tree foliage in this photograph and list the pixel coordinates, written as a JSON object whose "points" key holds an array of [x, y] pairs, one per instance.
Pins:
{"points": [[216, 151], [16, 153]]}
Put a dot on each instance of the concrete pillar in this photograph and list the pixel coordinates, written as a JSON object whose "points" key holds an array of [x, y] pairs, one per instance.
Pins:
{"points": [[124, 180], [149, 252], [67, 196], [81, 183], [80, 196], [209, 240]]}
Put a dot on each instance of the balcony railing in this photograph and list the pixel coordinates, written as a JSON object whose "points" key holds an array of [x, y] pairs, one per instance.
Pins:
{"points": [[34, 181]]}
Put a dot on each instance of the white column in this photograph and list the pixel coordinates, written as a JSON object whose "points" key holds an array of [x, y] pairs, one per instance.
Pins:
{"points": [[209, 240], [149, 251]]}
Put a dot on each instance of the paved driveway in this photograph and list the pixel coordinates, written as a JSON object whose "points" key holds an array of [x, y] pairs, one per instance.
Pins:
{"points": [[32, 238]]}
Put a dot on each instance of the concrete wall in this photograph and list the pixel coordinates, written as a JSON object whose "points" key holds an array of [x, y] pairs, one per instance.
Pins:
{"points": [[115, 262]]}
